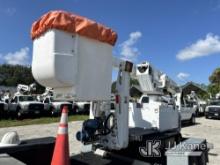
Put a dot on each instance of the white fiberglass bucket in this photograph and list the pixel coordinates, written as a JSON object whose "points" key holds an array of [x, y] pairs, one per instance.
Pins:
{"points": [[75, 66]]}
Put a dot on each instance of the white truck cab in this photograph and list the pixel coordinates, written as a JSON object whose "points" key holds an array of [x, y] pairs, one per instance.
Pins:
{"points": [[213, 109], [53, 107], [21, 105]]}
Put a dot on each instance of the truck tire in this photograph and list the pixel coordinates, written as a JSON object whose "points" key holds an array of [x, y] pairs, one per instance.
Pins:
{"points": [[19, 114], [6, 115], [207, 116], [86, 109], [197, 112], [1, 114], [75, 109], [193, 120], [12, 115], [52, 112]]}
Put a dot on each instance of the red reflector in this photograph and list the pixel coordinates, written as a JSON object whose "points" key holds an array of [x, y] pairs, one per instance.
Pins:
{"points": [[117, 97]]}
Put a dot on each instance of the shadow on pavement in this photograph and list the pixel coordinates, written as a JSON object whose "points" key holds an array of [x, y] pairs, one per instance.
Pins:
{"points": [[189, 125]]}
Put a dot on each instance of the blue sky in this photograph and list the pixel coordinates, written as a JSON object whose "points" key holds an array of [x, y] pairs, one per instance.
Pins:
{"points": [[179, 37]]}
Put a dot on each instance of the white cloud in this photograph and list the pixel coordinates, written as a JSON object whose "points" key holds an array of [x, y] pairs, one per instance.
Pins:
{"points": [[19, 57], [182, 76], [203, 47], [128, 50], [10, 11]]}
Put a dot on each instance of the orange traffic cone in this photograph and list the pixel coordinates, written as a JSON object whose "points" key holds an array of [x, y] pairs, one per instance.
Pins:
{"points": [[61, 150]]}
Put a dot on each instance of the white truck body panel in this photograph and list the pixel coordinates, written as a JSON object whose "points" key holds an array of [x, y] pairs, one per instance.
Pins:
{"points": [[153, 116], [73, 65]]}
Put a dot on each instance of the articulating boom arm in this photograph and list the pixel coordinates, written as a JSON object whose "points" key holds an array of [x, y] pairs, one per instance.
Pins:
{"points": [[152, 80], [25, 89]]}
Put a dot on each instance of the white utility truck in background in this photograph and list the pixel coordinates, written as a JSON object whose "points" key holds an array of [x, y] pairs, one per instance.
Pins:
{"points": [[213, 109], [51, 106], [196, 103], [79, 68], [23, 103]]}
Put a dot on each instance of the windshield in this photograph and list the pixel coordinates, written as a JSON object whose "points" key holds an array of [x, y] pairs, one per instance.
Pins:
{"points": [[215, 103], [27, 98]]}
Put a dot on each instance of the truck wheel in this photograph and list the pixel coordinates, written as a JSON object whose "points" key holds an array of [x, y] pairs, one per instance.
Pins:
{"points": [[6, 115], [86, 109], [193, 120], [18, 113], [75, 109], [12, 115], [52, 112], [1, 114], [197, 112], [207, 116]]}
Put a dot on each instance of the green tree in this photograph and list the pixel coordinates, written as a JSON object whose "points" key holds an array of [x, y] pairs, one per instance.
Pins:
{"points": [[214, 79], [213, 89], [12, 75]]}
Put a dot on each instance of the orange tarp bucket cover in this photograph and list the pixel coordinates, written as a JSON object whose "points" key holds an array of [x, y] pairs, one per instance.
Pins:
{"points": [[72, 23]]}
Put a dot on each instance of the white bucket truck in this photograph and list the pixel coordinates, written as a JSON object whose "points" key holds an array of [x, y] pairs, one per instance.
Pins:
{"points": [[23, 103], [79, 67]]}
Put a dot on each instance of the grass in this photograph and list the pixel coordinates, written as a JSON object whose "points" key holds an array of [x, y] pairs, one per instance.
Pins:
{"points": [[42, 120]]}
